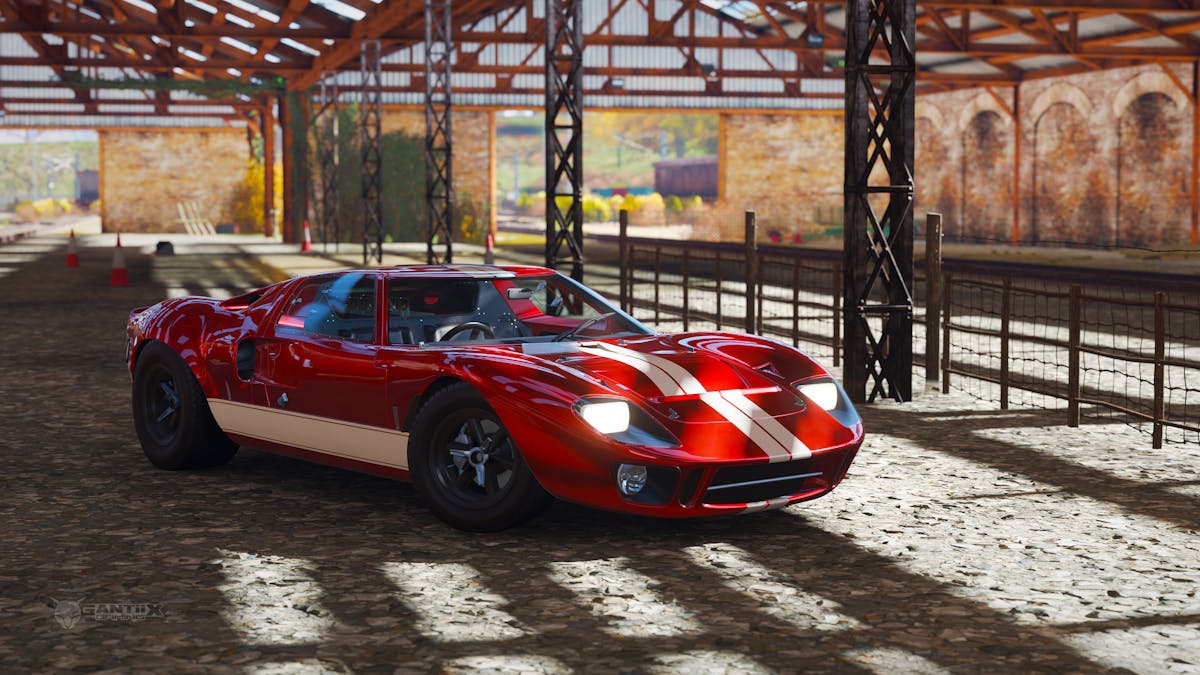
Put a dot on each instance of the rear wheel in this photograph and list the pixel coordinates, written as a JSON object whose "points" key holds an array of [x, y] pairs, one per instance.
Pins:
{"points": [[171, 415], [466, 466]]}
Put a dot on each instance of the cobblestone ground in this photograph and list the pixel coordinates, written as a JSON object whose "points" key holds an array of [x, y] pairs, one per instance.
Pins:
{"points": [[965, 540]]}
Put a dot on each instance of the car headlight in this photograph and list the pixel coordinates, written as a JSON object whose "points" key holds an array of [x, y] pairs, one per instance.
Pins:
{"points": [[607, 417], [826, 394], [823, 393], [624, 422]]}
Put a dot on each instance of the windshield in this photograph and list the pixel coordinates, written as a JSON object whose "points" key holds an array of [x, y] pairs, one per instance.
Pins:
{"points": [[515, 309]]}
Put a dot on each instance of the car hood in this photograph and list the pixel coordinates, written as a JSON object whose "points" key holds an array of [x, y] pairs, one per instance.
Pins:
{"points": [[725, 397], [672, 374]]}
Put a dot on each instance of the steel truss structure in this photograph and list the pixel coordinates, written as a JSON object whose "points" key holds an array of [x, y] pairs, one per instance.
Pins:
{"points": [[330, 161], [564, 135], [439, 140], [880, 114], [370, 123], [75, 52]]}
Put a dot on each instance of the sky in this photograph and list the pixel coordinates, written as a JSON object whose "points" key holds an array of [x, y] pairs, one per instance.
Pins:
{"points": [[11, 136]]}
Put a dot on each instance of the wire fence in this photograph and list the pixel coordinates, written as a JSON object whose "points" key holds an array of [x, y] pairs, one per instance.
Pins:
{"points": [[1107, 353]]}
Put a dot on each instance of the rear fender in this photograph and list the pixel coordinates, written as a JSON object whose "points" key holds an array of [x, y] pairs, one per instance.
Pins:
{"points": [[184, 325]]}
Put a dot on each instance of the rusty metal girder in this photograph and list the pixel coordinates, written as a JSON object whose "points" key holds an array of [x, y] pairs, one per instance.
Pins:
{"points": [[878, 247], [564, 135], [439, 181], [370, 130]]}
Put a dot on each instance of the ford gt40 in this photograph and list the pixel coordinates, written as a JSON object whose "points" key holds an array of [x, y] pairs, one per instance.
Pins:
{"points": [[494, 389]]}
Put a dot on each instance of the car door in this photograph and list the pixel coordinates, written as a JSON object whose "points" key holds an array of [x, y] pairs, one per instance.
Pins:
{"points": [[324, 355]]}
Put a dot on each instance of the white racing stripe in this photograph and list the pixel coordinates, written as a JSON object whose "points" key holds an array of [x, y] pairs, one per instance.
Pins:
{"points": [[768, 505], [339, 438], [779, 444], [747, 425], [795, 447], [687, 383], [665, 384]]}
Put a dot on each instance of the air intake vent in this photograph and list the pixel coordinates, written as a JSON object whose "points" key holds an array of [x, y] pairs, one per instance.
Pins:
{"points": [[758, 482]]}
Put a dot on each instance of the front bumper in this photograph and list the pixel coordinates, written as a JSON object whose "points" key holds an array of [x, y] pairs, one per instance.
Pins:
{"points": [[732, 487]]}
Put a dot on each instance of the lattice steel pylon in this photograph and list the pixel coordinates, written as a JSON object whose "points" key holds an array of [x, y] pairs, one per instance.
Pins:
{"points": [[439, 183], [370, 113], [564, 135], [327, 152], [878, 304]]}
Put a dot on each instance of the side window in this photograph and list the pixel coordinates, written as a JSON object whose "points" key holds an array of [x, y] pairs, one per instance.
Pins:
{"points": [[552, 298], [422, 310], [341, 307]]}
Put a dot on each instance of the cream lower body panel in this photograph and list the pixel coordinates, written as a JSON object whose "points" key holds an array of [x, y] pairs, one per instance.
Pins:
{"points": [[338, 438]]}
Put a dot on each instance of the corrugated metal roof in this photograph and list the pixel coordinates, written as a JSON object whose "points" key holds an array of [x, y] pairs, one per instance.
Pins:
{"points": [[631, 57]]}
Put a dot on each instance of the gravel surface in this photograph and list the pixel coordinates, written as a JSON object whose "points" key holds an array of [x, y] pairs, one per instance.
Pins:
{"points": [[964, 540]]}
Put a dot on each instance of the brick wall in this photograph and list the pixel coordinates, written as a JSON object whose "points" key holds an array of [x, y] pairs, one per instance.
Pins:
{"points": [[785, 167], [1105, 158], [145, 174]]}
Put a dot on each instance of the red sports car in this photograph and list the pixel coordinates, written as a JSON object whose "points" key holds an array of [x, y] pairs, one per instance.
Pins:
{"points": [[493, 389]]}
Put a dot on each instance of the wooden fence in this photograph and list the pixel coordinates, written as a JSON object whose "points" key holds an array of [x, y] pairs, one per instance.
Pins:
{"points": [[1129, 351]]}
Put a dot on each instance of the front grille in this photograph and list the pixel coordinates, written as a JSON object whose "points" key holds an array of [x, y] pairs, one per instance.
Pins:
{"points": [[758, 482]]}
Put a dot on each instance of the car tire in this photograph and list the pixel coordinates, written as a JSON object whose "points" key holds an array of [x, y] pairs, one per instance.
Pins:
{"points": [[171, 416], [466, 467]]}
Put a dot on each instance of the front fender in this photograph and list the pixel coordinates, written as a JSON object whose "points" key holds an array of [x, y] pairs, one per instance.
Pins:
{"points": [[535, 400]]}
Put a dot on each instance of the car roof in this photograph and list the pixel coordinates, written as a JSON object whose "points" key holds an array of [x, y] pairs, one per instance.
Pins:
{"points": [[455, 271]]}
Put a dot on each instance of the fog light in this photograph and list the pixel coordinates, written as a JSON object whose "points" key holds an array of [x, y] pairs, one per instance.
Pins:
{"points": [[631, 478]]}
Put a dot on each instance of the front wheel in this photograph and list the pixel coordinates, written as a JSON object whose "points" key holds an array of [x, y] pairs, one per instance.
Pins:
{"points": [[466, 466], [171, 415]]}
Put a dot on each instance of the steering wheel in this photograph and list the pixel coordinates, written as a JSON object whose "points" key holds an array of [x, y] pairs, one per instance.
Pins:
{"points": [[471, 327]]}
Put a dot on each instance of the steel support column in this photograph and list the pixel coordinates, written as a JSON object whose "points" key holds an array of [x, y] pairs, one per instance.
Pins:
{"points": [[1016, 178], [564, 135], [294, 118], [439, 183], [330, 161], [370, 130], [880, 78], [1195, 235], [268, 136]]}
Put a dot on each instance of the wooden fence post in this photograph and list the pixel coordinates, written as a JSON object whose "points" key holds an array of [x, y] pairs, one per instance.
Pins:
{"points": [[933, 294], [947, 293], [759, 313], [623, 258], [687, 310], [1160, 354], [1005, 316], [1073, 356], [837, 314], [796, 304], [657, 277], [720, 312], [751, 268]]}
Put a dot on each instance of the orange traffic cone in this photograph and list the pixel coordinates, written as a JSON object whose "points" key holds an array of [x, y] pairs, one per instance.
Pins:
{"points": [[306, 245], [489, 253], [120, 275], [72, 251]]}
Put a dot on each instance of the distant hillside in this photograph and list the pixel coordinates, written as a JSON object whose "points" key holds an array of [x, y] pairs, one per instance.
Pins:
{"points": [[619, 148]]}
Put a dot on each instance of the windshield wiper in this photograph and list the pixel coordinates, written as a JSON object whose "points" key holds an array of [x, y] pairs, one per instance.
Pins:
{"points": [[571, 333]]}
